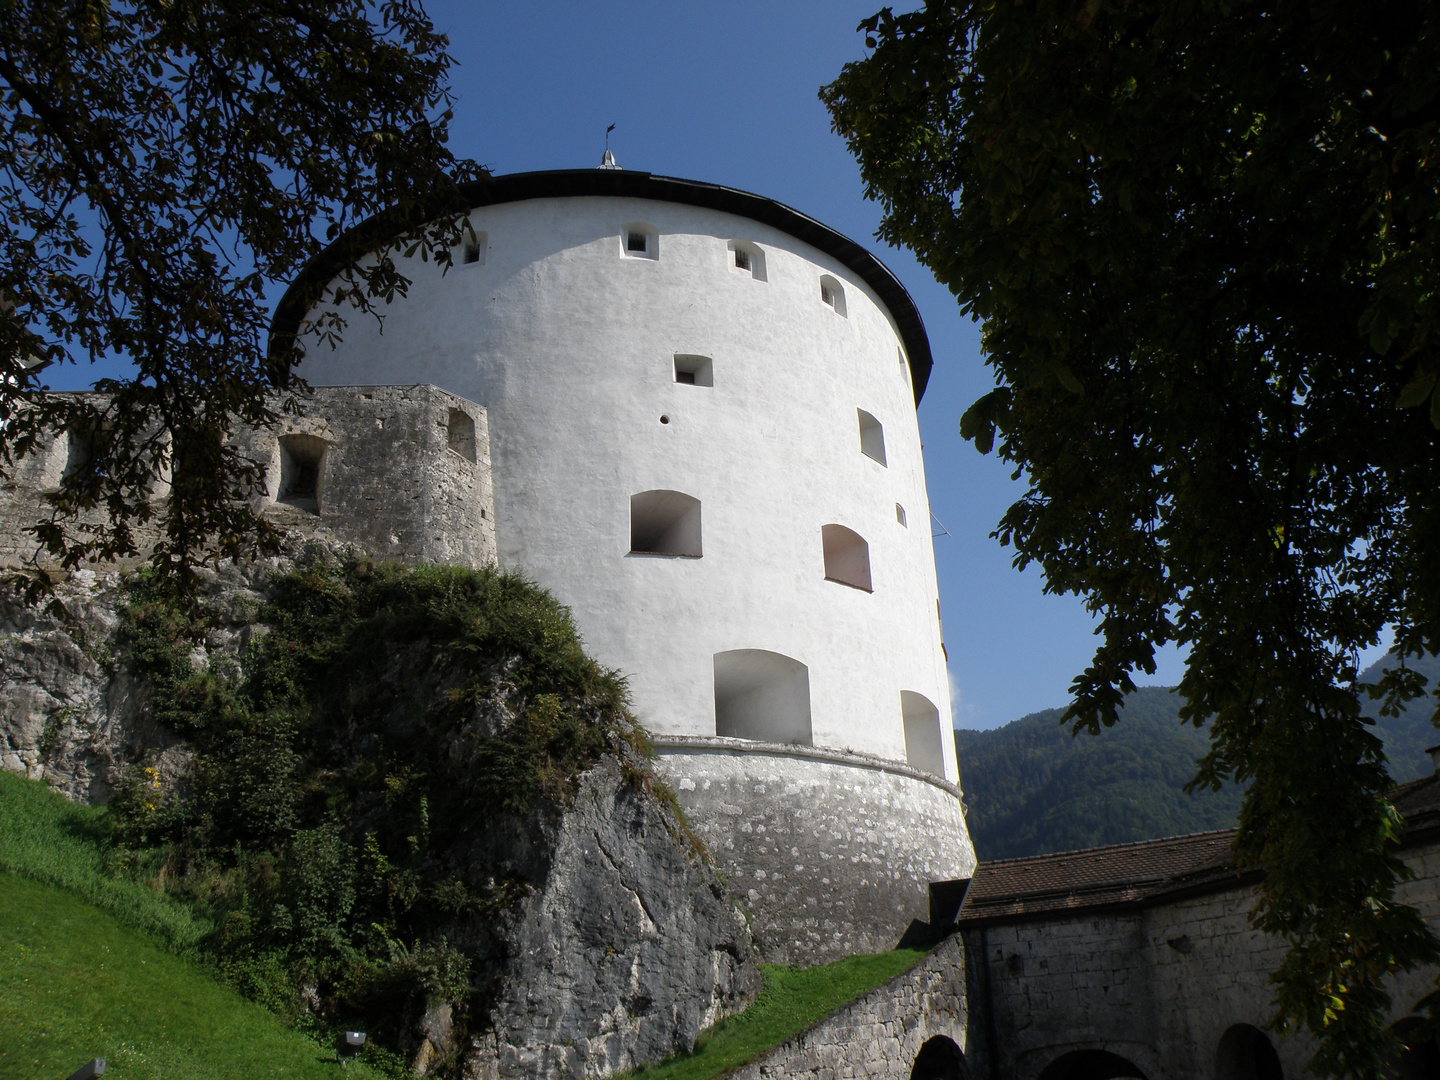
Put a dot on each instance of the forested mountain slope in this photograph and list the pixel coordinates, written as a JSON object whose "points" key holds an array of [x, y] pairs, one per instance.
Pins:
{"points": [[1032, 789]]}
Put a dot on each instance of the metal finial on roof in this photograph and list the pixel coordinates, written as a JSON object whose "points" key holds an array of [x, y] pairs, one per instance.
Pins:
{"points": [[608, 161]]}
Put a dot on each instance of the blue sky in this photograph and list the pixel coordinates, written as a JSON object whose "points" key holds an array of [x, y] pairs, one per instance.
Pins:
{"points": [[726, 93]]}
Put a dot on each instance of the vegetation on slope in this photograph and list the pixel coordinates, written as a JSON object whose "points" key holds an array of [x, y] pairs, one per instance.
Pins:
{"points": [[352, 770], [77, 984], [789, 1002], [1032, 788]]}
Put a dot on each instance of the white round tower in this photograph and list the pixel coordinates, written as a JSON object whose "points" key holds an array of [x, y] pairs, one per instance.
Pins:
{"points": [[703, 440]]}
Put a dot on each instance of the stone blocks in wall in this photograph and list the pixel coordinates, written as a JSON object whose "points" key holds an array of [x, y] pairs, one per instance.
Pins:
{"points": [[830, 853], [879, 1036], [401, 472]]}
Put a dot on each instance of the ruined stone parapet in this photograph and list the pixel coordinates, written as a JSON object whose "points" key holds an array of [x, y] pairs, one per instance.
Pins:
{"points": [[400, 472]]}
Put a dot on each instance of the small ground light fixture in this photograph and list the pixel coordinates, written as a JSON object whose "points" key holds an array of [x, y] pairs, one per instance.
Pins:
{"points": [[350, 1044], [93, 1067]]}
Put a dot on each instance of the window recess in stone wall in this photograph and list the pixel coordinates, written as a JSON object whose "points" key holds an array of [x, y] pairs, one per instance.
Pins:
{"points": [[924, 749], [694, 370], [748, 258], [302, 471], [473, 247], [665, 523], [762, 695], [872, 437], [847, 557], [460, 434], [640, 241], [832, 293]]}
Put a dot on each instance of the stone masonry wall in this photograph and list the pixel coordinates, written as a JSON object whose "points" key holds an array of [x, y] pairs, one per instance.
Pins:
{"points": [[1159, 986], [830, 853], [390, 481], [878, 1036]]}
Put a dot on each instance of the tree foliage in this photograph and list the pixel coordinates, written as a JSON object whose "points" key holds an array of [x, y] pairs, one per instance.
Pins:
{"points": [[164, 161], [1201, 237]]}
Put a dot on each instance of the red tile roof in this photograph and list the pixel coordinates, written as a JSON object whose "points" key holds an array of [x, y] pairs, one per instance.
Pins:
{"points": [[1142, 873]]}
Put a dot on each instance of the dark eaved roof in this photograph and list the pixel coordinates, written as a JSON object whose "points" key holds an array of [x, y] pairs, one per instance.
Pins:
{"points": [[629, 183], [1146, 872]]}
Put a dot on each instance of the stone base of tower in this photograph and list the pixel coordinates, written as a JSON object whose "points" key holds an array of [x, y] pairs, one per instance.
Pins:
{"points": [[830, 853]]}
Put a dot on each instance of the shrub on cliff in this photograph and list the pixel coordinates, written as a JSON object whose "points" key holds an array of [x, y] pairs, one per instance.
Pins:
{"points": [[354, 768]]}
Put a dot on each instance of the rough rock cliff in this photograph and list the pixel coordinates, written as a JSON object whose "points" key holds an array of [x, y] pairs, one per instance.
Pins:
{"points": [[621, 946]]}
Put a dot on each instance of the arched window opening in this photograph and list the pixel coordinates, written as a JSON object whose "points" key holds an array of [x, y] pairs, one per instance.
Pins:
{"points": [[473, 248], [900, 514], [872, 437], [748, 257], [1420, 1058], [940, 1059], [763, 696], [302, 469], [847, 557], [924, 746], [1091, 1065], [665, 523], [460, 434], [1246, 1053], [640, 241], [832, 293], [694, 370]]}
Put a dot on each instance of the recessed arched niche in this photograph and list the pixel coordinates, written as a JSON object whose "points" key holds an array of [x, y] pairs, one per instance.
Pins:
{"points": [[762, 695], [924, 741], [872, 437], [847, 557], [832, 293], [747, 258], [1246, 1053], [940, 1059], [1093, 1065], [665, 523]]}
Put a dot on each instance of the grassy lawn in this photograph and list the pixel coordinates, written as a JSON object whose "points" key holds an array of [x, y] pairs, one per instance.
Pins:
{"points": [[789, 1003], [76, 984], [47, 838]]}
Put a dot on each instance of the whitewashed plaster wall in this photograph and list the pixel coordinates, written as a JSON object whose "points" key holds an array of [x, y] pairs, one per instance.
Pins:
{"points": [[569, 343]]}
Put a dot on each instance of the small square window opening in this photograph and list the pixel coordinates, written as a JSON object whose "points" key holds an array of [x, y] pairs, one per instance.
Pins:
{"points": [[635, 241], [742, 258]]}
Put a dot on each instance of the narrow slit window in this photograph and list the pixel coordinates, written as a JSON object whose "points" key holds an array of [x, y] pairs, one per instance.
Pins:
{"points": [[900, 515], [694, 370], [474, 249], [847, 557], [460, 434], [640, 240], [665, 523], [832, 293], [762, 695], [872, 437]]}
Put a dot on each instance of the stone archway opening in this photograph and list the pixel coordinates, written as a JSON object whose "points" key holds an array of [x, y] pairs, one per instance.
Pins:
{"points": [[940, 1059], [1246, 1053], [1091, 1065]]}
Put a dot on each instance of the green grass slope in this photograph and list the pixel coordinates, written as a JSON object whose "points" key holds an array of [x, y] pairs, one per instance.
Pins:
{"points": [[789, 1002], [76, 984], [49, 839]]}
